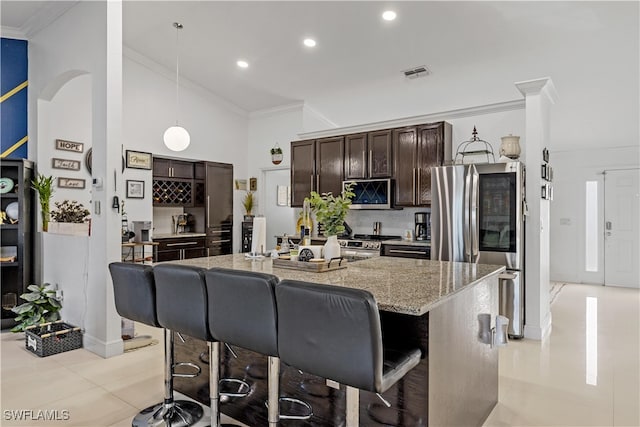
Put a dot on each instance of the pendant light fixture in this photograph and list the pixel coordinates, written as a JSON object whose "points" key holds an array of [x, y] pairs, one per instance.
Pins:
{"points": [[176, 138]]}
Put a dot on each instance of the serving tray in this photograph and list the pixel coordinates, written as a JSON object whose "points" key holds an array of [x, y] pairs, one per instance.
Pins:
{"points": [[311, 266]]}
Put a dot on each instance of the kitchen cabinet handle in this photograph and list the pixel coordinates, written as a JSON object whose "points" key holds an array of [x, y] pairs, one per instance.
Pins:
{"points": [[182, 244], [370, 163], [404, 251], [208, 209], [217, 231], [318, 182], [311, 182], [414, 186], [364, 174], [220, 241]]}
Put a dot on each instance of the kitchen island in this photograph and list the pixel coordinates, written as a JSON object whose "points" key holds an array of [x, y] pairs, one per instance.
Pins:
{"points": [[433, 305]]}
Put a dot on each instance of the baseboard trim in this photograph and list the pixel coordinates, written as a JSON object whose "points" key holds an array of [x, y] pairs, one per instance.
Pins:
{"points": [[539, 333], [101, 348]]}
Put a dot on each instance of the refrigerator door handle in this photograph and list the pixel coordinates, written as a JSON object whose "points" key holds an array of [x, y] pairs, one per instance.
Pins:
{"points": [[474, 216], [467, 211]]}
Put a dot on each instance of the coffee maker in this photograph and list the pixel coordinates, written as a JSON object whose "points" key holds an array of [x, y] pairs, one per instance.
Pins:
{"points": [[423, 225]]}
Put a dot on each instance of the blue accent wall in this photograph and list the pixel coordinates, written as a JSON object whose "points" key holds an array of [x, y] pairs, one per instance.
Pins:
{"points": [[13, 111]]}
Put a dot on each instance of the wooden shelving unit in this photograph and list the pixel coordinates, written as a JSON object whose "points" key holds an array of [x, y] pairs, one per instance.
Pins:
{"points": [[17, 275]]}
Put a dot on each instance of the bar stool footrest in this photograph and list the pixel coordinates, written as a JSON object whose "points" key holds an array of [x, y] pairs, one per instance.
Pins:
{"points": [[306, 411], [197, 368], [243, 388]]}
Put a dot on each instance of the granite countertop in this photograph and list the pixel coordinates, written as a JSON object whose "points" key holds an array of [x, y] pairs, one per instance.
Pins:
{"points": [[408, 242], [159, 236], [401, 285]]}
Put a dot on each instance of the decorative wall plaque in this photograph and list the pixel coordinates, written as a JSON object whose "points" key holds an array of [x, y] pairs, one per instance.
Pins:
{"points": [[76, 147], [72, 165], [71, 183]]}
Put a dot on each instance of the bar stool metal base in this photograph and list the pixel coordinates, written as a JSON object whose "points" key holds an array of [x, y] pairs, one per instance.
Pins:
{"points": [[180, 413]]}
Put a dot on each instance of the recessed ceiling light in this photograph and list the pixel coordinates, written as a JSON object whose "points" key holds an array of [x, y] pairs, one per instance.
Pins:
{"points": [[242, 64], [309, 42], [389, 15]]}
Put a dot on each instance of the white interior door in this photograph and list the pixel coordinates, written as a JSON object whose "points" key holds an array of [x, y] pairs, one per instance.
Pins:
{"points": [[622, 228], [280, 219]]}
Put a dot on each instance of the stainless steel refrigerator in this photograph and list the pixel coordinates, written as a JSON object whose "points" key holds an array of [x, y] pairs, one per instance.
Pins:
{"points": [[477, 215]]}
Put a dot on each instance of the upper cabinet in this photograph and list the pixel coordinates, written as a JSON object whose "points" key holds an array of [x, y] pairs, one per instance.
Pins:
{"points": [[404, 154], [416, 150], [171, 168], [316, 165], [329, 165], [368, 155], [303, 172], [173, 183]]}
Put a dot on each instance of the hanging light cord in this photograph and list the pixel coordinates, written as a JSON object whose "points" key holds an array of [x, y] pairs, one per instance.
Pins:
{"points": [[178, 28]]}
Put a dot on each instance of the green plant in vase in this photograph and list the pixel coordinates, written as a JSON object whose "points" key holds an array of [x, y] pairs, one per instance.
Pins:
{"points": [[41, 306], [331, 211], [44, 186], [248, 202], [70, 211]]}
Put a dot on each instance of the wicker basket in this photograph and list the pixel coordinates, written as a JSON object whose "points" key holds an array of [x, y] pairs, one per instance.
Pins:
{"points": [[52, 338]]}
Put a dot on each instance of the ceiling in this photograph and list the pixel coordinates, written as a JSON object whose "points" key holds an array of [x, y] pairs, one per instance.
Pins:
{"points": [[355, 46]]}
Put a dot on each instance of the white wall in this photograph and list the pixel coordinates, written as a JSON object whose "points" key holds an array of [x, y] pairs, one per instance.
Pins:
{"points": [[217, 133], [67, 116]]}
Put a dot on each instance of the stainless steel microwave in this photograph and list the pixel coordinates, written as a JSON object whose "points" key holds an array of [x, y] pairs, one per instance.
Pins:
{"points": [[371, 193]]}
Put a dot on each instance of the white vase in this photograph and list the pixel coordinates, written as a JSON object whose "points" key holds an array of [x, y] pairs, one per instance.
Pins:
{"points": [[510, 147], [331, 248]]}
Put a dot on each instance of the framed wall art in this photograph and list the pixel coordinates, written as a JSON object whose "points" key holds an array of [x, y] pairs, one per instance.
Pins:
{"points": [[71, 183], [67, 164], [139, 160], [76, 147], [135, 189]]}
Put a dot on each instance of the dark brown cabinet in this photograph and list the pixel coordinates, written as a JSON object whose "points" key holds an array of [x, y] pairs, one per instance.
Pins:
{"points": [[406, 251], [172, 168], [368, 155], [181, 248], [329, 165], [303, 155], [416, 150], [16, 233], [219, 208]]}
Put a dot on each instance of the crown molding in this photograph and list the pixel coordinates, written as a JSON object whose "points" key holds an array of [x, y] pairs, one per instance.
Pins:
{"points": [[45, 16], [542, 85], [320, 116], [12, 33], [185, 82], [499, 107], [273, 111]]}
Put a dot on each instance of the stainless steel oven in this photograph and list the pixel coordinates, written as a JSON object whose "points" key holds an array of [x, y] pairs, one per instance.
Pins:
{"points": [[363, 246]]}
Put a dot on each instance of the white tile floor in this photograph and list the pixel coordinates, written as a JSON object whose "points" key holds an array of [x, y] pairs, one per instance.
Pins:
{"points": [[568, 380]]}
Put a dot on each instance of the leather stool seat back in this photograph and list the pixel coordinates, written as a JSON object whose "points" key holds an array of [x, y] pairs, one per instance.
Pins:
{"points": [[330, 331], [134, 292], [242, 309], [182, 299]]}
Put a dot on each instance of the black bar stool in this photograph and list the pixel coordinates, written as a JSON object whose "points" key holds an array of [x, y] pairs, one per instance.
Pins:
{"points": [[183, 308], [334, 332], [242, 312], [135, 296]]}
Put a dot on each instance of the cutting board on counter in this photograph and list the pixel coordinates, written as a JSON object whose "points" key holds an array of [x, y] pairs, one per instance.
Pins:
{"points": [[318, 266]]}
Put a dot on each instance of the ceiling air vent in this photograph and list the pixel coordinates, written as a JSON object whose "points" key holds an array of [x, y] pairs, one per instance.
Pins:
{"points": [[415, 72]]}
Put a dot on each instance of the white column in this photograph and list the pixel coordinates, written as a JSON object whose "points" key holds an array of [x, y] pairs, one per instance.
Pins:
{"points": [[539, 95], [103, 332]]}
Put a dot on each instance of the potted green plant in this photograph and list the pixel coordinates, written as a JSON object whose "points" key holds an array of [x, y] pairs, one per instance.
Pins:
{"points": [[330, 211], [41, 306], [44, 186], [248, 202], [276, 154], [70, 217]]}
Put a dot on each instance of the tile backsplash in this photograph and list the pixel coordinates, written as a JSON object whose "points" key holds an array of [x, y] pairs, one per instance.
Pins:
{"points": [[394, 222], [162, 219]]}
